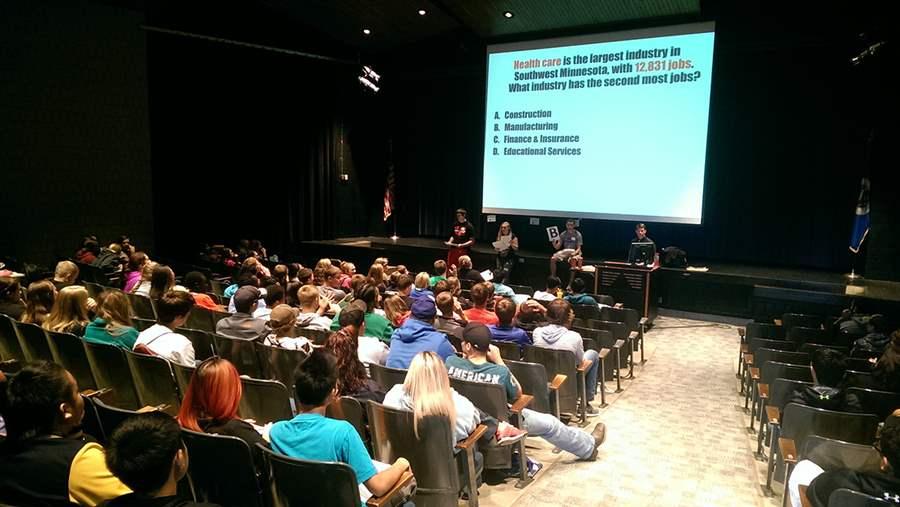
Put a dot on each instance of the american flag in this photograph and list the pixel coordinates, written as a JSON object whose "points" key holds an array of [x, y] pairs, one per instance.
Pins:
{"points": [[389, 192]]}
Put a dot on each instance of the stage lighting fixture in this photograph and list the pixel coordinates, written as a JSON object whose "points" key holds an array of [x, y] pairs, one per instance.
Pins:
{"points": [[422, 12], [508, 14], [366, 31], [869, 51], [369, 77]]}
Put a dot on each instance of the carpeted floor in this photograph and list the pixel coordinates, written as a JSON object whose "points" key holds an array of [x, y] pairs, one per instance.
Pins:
{"points": [[676, 434]]}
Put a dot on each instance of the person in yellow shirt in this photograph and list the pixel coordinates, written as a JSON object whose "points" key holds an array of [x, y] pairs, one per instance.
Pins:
{"points": [[46, 459]]}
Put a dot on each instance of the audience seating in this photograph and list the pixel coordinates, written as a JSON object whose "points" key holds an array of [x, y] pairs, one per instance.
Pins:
{"points": [[762, 355], [142, 306], [844, 497], [154, 381], [766, 375], [880, 403], [265, 401], [316, 336], [235, 484], [491, 399], [791, 320], [350, 409], [110, 417], [386, 377], [34, 343], [861, 379], [562, 362], [620, 333], [533, 379], [142, 324], [111, 370], [10, 348], [429, 450], [304, 483], [204, 319], [94, 289], [521, 289], [241, 353], [831, 454], [202, 341], [775, 396], [279, 364], [508, 350], [587, 311], [68, 351], [183, 376], [801, 335]]}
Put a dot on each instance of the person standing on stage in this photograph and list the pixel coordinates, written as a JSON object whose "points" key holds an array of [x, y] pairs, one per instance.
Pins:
{"points": [[506, 253], [568, 244], [462, 237]]}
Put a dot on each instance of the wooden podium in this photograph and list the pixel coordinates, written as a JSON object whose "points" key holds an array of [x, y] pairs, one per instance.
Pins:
{"points": [[633, 286]]}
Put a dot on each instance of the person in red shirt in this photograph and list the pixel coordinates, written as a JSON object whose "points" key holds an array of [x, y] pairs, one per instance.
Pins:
{"points": [[480, 294], [461, 238]]}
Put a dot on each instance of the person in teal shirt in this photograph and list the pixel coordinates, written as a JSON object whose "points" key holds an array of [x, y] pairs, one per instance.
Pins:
{"points": [[577, 297], [113, 325], [377, 325], [312, 436]]}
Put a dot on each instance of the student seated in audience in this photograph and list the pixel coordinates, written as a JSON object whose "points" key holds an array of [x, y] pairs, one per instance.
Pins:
{"points": [[147, 454], [376, 325], [71, 311], [281, 330], [557, 335], [421, 289], [405, 287], [886, 372], [211, 404], [313, 307], [312, 436], [500, 288], [481, 362], [344, 344], [822, 484], [466, 272], [456, 290], [377, 277], [577, 296], [396, 310], [451, 320], [876, 338], [348, 269], [440, 272], [90, 249], [198, 285], [11, 303], [46, 460], [828, 367], [66, 274], [426, 392], [274, 296], [531, 315], [330, 285], [554, 290], [172, 311], [242, 324], [39, 302], [133, 270], [113, 325], [504, 330], [142, 288], [161, 281], [294, 270], [416, 335], [370, 349], [481, 293]]}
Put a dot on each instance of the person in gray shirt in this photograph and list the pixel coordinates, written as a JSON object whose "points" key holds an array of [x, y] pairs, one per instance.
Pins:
{"points": [[242, 325], [568, 246]]}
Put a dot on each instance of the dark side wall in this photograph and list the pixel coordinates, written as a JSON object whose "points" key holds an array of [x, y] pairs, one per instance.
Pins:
{"points": [[74, 138]]}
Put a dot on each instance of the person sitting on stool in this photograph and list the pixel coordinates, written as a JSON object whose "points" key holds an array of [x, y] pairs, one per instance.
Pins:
{"points": [[569, 241]]}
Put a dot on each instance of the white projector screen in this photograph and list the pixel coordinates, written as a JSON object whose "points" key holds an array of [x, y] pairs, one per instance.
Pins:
{"points": [[609, 126]]}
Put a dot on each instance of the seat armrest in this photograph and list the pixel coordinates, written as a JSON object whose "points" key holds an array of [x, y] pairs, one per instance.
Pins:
{"points": [[583, 367], [763, 390], [557, 382], [788, 450], [745, 349], [604, 353], [643, 321], [386, 499], [633, 335], [754, 373], [618, 344], [742, 331], [96, 393], [473, 437], [521, 403], [748, 359], [773, 414]]}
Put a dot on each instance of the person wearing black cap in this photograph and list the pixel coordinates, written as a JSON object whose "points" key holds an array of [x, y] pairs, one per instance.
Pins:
{"points": [[462, 237], [481, 362], [242, 325], [416, 335]]}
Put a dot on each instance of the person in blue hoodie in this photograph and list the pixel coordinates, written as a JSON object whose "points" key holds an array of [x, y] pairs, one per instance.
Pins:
{"points": [[416, 335]]}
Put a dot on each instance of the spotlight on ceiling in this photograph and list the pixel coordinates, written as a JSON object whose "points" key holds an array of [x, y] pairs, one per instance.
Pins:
{"points": [[508, 14], [366, 31], [422, 12], [368, 77]]}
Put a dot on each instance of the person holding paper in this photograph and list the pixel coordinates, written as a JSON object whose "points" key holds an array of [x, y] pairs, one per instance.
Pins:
{"points": [[507, 245], [568, 246], [462, 238]]}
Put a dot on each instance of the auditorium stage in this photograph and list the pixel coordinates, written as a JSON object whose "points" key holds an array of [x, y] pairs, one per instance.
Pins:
{"points": [[725, 289]]}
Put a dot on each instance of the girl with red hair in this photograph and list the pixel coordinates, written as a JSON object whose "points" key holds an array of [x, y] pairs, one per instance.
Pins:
{"points": [[211, 403]]}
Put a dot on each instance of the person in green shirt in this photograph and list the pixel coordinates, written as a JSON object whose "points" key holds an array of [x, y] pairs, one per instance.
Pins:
{"points": [[113, 325], [376, 325], [440, 272]]}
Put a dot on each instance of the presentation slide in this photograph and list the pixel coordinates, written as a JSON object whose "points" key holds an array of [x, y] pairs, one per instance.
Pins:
{"points": [[610, 126]]}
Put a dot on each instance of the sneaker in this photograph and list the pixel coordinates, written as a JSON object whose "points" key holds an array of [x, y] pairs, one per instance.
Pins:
{"points": [[591, 410], [508, 434]]}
